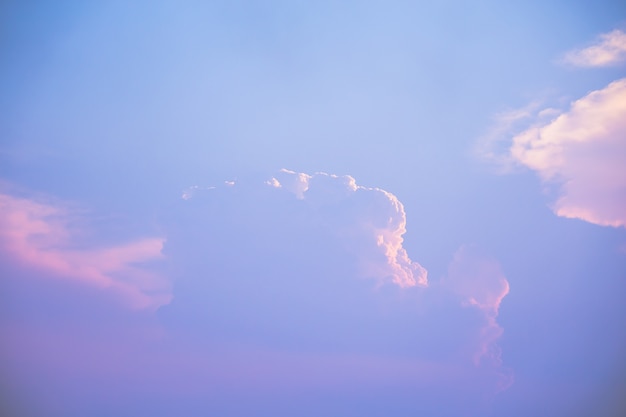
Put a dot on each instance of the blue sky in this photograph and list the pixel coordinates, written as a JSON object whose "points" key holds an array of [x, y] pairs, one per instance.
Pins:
{"points": [[486, 141]]}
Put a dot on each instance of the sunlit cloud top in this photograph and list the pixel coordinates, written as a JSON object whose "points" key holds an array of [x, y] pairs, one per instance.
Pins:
{"points": [[370, 221]]}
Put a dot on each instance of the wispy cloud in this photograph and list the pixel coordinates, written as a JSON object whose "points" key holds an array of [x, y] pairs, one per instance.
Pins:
{"points": [[609, 49], [42, 236], [492, 147]]}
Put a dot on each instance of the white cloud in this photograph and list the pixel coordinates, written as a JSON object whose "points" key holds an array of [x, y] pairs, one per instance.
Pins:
{"points": [[297, 183], [608, 50], [374, 226], [583, 150]]}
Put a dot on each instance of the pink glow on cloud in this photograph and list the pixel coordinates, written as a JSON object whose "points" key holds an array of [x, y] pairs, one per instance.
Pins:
{"points": [[40, 236], [583, 151], [480, 283], [609, 49], [382, 222], [478, 279], [406, 273]]}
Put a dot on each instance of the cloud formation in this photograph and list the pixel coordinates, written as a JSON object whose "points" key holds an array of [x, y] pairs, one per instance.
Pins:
{"points": [[583, 151], [608, 50], [292, 286], [283, 263], [45, 237], [301, 243]]}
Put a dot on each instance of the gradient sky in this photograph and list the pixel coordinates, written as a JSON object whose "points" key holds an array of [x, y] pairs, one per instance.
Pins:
{"points": [[297, 208]]}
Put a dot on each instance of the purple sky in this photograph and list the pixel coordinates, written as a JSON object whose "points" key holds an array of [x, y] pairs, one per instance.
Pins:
{"points": [[313, 209]]}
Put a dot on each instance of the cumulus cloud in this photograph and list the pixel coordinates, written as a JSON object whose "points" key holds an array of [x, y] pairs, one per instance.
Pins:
{"points": [[315, 263], [376, 217], [609, 49], [299, 243], [44, 237], [581, 151], [372, 222]]}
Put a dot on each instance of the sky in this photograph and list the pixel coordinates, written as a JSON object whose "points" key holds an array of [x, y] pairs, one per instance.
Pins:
{"points": [[297, 208]]}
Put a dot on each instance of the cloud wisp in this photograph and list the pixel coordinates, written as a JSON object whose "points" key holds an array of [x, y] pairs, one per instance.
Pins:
{"points": [[608, 50], [43, 237]]}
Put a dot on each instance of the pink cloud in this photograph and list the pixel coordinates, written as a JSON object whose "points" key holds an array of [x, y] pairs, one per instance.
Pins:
{"points": [[480, 283], [609, 49], [44, 237], [583, 151]]}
